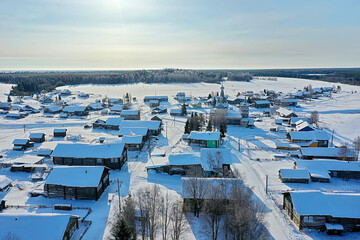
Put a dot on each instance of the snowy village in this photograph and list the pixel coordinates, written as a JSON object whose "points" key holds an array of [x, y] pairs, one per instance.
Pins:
{"points": [[272, 158]]}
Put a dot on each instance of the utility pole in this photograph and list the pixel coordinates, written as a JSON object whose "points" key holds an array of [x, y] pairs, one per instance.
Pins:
{"points": [[166, 129], [119, 186], [24, 128], [267, 183], [239, 144]]}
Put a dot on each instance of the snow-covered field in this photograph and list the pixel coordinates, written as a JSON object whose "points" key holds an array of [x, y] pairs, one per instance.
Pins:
{"points": [[340, 113]]}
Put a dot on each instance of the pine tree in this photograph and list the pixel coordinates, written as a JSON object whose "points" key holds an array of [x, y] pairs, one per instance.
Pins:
{"points": [[9, 98], [122, 231], [222, 130], [209, 96], [187, 127], [183, 110], [59, 98], [209, 126]]}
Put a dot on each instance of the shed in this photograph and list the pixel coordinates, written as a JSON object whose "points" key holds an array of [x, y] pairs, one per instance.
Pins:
{"points": [[133, 142], [294, 176], [130, 114], [37, 137], [22, 144], [60, 132]]}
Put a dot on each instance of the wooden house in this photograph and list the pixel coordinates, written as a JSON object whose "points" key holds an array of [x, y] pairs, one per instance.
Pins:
{"points": [[323, 170], [153, 126], [76, 110], [5, 182], [288, 102], [156, 118], [37, 137], [205, 139], [53, 109], [304, 127], [138, 131], [318, 138], [294, 176], [133, 142], [262, 104], [154, 103], [313, 209], [22, 144], [159, 98], [285, 113], [176, 112], [130, 114], [40, 226], [113, 123], [60, 132], [345, 154], [77, 182], [159, 110], [110, 155]]}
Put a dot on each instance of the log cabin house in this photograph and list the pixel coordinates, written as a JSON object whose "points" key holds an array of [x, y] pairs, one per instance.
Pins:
{"points": [[110, 155], [77, 182]]}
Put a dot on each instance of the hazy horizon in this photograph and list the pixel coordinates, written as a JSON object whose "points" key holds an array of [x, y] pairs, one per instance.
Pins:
{"points": [[120, 35]]}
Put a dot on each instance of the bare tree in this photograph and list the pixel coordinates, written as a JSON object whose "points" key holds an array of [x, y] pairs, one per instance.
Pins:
{"points": [[356, 144], [165, 215], [245, 217], [10, 236], [215, 160], [314, 118], [344, 151], [143, 210], [214, 207], [196, 188], [178, 223]]}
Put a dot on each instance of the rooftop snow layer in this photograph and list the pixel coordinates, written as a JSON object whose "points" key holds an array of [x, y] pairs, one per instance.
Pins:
{"points": [[204, 135], [76, 176], [294, 174], [78, 150], [141, 131], [28, 226], [312, 203]]}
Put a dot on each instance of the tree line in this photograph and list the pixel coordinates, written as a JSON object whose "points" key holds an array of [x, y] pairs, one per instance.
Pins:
{"points": [[28, 83]]}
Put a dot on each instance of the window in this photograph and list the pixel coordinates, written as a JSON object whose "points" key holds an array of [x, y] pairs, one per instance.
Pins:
{"points": [[308, 219], [114, 160], [99, 161]]}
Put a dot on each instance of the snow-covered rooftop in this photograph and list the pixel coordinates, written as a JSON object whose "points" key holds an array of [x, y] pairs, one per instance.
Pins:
{"points": [[76, 176], [4, 181], [204, 135], [132, 139], [78, 150], [141, 131], [36, 135], [28, 226], [20, 141], [294, 174], [152, 125], [327, 152], [312, 203]]}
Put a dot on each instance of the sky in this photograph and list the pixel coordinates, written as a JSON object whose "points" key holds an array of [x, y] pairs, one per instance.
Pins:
{"points": [[195, 34]]}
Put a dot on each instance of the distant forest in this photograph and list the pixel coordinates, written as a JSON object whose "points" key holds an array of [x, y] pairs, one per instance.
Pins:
{"points": [[34, 82]]}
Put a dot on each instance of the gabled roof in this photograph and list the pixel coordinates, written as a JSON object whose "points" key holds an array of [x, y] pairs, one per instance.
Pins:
{"points": [[326, 152], [262, 102], [294, 174], [27, 226], [152, 125], [204, 135], [134, 139], [141, 131], [117, 107], [60, 130], [303, 126], [20, 141], [72, 109], [316, 203], [4, 181], [114, 121], [315, 166], [76, 176], [78, 150], [36, 135], [129, 112], [310, 135]]}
